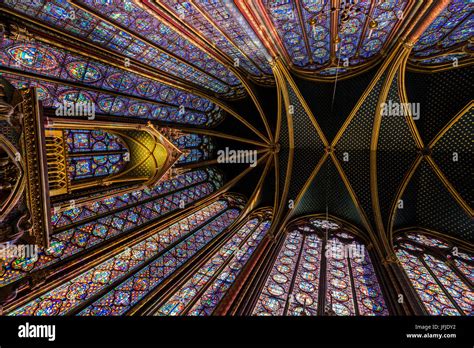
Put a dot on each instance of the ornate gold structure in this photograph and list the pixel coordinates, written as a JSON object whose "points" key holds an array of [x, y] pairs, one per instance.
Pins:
{"points": [[150, 154], [23, 169]]}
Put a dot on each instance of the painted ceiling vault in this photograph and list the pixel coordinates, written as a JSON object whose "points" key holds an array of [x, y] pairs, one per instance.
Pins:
{"points": [[358, 113]]}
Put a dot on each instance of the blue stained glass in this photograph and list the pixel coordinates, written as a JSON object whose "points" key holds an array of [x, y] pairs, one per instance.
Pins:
{"points": [[430, 269], [72, 293], [54, 94], [304, 29], [141, 283], [45, 63], [217, 77], [453, 27], [227, 17], [196, 147], [95, 166], [30, 56], [79, 141], [68, 242], [292, 286]]}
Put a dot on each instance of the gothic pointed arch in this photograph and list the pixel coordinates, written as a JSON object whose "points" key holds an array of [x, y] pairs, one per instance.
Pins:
{"points": [[323, 267]]}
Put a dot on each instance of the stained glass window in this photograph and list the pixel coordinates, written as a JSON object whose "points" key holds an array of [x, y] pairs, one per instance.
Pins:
{"points": [[79, 141], [449, 32], [112, 202], [240, 42], [53, 94], [48, 61], [296, 284], [196, 147], [94, 153], [119, 300], [144, 264], [95, 166], [304, 28], [201, 294], [93, 229], [154, 45], [441, 273]]}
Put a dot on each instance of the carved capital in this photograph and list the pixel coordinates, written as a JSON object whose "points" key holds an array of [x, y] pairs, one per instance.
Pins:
{"points": [[390, 260]]}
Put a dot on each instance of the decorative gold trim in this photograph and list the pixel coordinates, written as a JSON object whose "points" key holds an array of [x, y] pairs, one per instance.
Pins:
{"points": [[401, 190], [173, 153], [334, 21], [301, 99], [33, 143], [356, 202], [448, 126], [305, 188], [279, 112], [454, 193], [58, 179], [397, 58], [366, 25], [279, 78], [276, 197], [402, 92], [257, 192]]}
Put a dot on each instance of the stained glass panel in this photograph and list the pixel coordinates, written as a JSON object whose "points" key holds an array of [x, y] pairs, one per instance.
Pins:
{"points": [[211, 282], [304, 28], [112, 202], [293, 286], [441, 274], [196, 147], [53, 94], [54, 62], [452, 29], [123, 297], [69, 242], [154, 43], [69, 295], [93, 141], [240, 42], [430, 293], [95, 166]]}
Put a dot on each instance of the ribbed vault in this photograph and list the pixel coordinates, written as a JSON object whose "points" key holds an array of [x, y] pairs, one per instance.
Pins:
{"points": [[303, 86]]}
